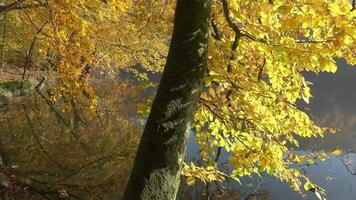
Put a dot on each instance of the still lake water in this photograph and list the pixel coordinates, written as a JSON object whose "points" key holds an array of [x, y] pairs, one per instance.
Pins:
{"points": [[44, 159]]}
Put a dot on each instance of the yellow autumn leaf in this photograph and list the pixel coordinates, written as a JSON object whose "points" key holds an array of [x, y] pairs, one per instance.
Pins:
{"points": [[336, 152], [190, 181], [308, 185]]}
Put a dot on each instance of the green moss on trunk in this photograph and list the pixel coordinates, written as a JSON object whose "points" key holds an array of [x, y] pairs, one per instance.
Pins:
{"points": [[156, 172]]}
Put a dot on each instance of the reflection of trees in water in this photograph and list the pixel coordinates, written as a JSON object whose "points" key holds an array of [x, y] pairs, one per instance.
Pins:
{"points": [[199, 192], [67, 150], [225, 191], [349, 161], [339, 118], [334, 105]]}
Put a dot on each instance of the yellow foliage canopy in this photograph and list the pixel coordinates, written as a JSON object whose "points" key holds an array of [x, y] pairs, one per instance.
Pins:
{"points": [[257, 53], [257, 56]]}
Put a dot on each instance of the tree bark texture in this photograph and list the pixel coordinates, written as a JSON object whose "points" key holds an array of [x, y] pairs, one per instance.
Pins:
{"points": [[156, 171]]}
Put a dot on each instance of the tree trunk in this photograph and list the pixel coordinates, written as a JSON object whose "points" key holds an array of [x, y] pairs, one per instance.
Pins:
{"points": [[156, 172], [3, 178]]}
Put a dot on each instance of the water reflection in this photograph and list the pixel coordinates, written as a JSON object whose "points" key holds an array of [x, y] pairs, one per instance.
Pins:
{"points": [[334, 104], [53, 150]]}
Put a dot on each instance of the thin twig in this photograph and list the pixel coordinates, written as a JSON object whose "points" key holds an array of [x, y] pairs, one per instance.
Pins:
{"points": [[29, 56], [39, 142]]}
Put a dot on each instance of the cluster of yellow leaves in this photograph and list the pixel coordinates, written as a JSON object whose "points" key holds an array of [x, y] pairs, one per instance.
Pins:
{"points": [[204, 174], [249, 107], [74, 37], [77, 31], [68, 38]]}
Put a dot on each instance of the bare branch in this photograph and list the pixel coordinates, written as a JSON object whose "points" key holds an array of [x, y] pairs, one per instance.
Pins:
{"points": [[216, 32], [228, 18]]}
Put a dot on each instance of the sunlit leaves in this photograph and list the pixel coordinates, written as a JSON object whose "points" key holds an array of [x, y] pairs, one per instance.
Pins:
{"points": [[250, 105], [204, 174], [336, 152]]}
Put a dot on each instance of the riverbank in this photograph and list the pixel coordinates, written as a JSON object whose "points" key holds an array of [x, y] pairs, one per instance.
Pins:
{"points": [[12, 87]]}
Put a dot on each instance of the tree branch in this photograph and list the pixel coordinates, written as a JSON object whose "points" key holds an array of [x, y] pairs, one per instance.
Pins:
{"points": [[39, 142], [17, 5], [216, 32], [29, 56]]}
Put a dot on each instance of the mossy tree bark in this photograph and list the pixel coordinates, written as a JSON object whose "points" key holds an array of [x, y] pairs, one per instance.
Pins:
{"points": [[156, 171]]}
